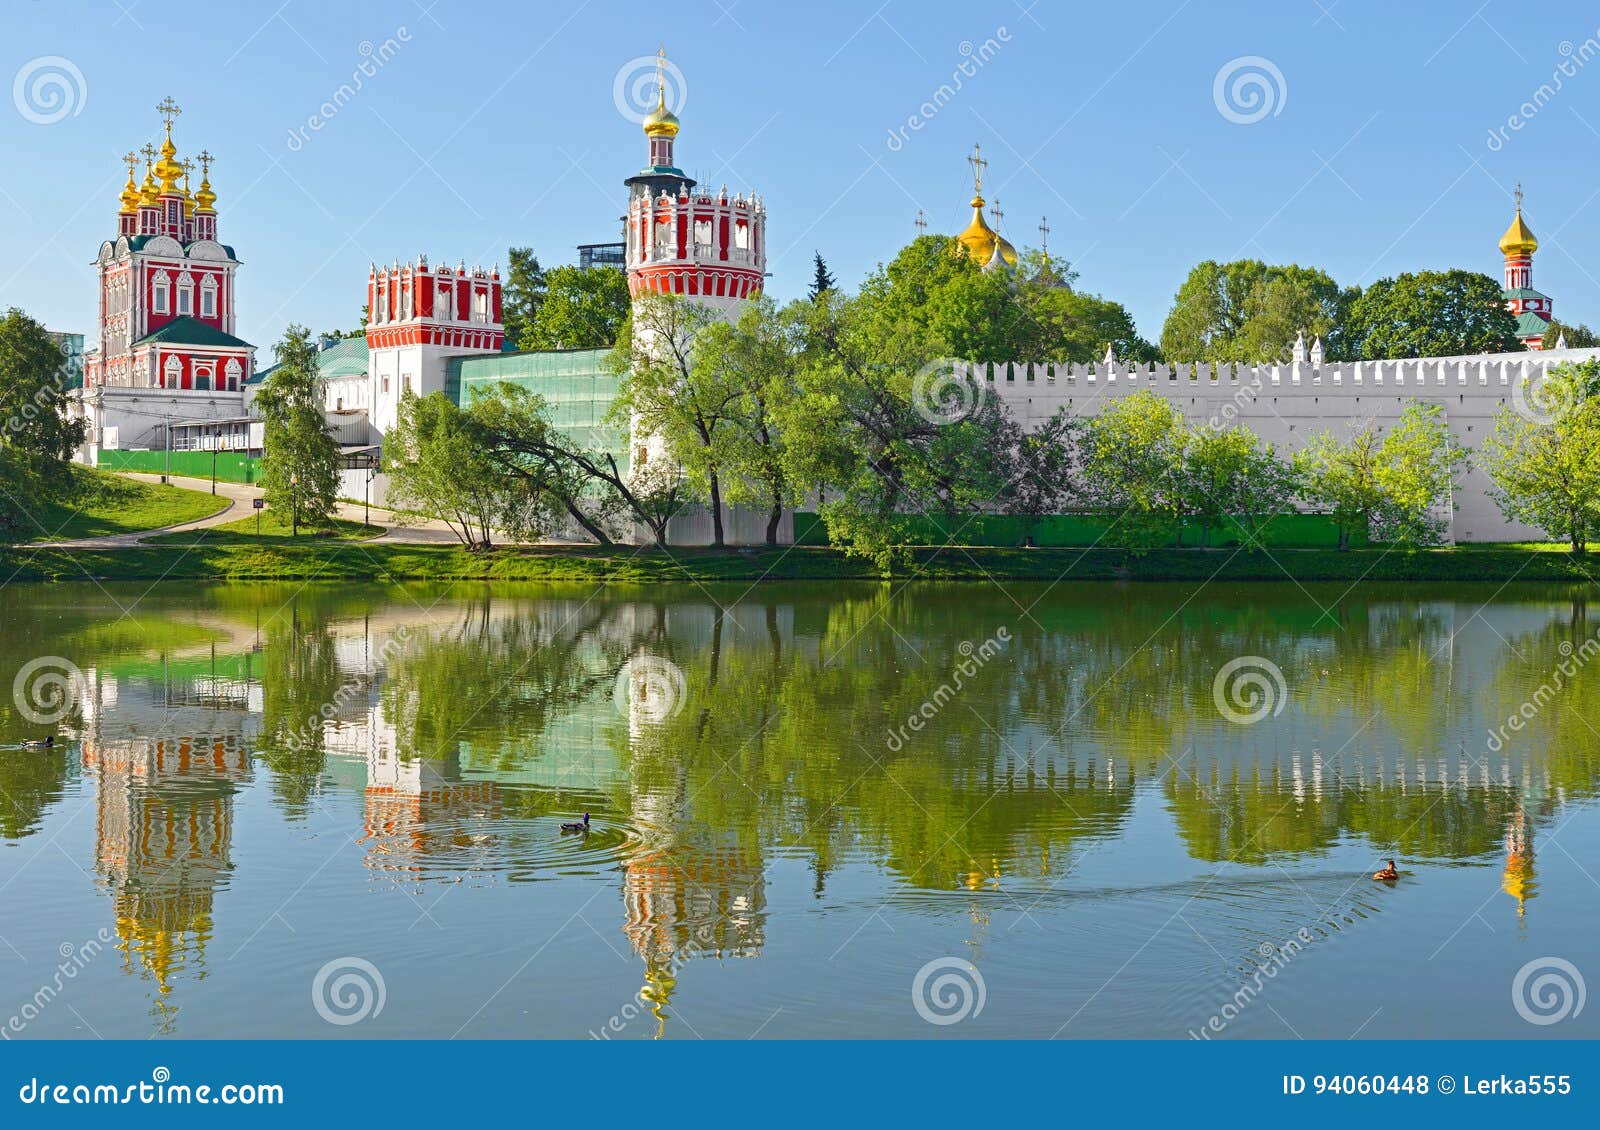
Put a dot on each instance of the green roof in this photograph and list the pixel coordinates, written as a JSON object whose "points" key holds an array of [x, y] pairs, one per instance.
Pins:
{"points": [[1531, 325], [184, 330], [1523, 292], [346, 357]]}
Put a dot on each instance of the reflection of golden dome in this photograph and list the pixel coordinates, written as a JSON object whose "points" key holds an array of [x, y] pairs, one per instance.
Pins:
{"points": [[1519, 239], [980, 239]]}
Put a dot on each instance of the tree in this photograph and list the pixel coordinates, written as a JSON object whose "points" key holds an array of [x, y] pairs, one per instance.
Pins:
{"points": [[1577, 337], [674, 390], [1074, 326], [757, 355], [587, 481], [1387, 489], [580, 310], [300, 460], [522, 296], [1133, 456], [1543, 465], [37, 440], [1247, 310], [1045, 469], [440, 467], [822, 279], [1229, 473], [1431, 314]]}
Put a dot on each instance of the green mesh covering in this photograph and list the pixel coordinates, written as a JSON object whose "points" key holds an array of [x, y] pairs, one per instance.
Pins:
{"points": [[574, 383]]}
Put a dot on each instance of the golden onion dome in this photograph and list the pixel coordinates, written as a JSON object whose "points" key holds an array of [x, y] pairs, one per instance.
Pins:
{"points": [[130, 194], [148, 191], [1519, 238], [205, 200], [980, 239], [167, 170], [661, 122]]}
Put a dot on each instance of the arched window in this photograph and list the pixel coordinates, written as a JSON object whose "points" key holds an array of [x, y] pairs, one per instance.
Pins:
{"points": [[208, 297], [171, 373], [444, 307], [185, 294], [664, 239], [232, 370], [160, 293], [702, 235]]}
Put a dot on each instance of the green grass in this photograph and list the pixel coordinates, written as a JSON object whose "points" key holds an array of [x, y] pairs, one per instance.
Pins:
{"points": [[107, 504], [337, 559], [275, 526]]}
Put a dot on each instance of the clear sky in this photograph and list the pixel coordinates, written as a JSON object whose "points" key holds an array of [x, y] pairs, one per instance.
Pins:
{"points": [[495, 123]]}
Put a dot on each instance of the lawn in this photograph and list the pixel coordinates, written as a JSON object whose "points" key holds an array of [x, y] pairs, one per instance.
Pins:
{"points": [[275, 529], [334, 558], [107, 504]]}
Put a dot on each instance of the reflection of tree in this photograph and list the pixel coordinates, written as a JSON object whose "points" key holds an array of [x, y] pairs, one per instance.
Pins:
{"points": [[300, 676]]}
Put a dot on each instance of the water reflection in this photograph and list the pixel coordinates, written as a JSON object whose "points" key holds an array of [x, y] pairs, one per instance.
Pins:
{"points": [[770, 726]]}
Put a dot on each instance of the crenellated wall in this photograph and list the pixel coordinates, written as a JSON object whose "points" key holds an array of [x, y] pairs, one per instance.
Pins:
{"points": [[1286, 404]]}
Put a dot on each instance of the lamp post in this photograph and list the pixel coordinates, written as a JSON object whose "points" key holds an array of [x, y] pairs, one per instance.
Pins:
{"points": [[294, 506]]}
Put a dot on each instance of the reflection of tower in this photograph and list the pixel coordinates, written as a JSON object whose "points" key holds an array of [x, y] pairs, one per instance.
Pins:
{"points": [[683, 900], [163, 830], [413, 809], [1518, 879]]}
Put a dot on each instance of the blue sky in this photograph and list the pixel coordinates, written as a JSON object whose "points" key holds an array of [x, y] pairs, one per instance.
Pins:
{"points": [[495, 123]]}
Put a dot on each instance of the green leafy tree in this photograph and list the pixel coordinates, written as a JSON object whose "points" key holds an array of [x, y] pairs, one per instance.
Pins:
{"points": [[1074, 326], [300, 460], [439, 467], [1577, 336], [37, 440], [580, 310], [522, 295], [675, 390], [1543, 464], [822, 279], [1247, 310], [1431, 314], [1132, 467], [1388, 488], [1230, 474]]}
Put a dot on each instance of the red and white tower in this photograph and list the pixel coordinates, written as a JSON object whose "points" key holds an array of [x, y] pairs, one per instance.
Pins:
{"points": [[418, 318], [1532, 308], [709, 247], [167, 349]]}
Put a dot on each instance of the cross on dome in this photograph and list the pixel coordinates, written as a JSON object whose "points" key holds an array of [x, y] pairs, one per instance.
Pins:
{"points": [[168, 109], [978, 166]]}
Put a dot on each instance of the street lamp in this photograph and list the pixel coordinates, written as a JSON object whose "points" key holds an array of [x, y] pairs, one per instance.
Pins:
{"points": [[294, 506]]}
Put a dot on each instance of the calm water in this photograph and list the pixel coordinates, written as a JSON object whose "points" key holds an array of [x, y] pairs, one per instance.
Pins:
{"points": [[817, 811]]}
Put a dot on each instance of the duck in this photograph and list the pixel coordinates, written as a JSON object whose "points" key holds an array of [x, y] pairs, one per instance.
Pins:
{"points": [[576, 826], [1387, 875], [39, 743]]}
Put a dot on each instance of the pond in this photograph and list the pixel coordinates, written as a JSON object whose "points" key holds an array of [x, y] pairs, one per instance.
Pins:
{"points": [[1021, 811]]}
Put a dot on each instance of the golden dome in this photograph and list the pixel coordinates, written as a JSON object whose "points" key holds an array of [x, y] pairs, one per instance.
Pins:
{"points": [[168, 170], [661, 122], [130, 193], [205, 200], [148, 191], [980, 239], [1519, 239]]}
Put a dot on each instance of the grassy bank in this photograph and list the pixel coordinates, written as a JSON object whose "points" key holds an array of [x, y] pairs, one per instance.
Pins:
{"points": [[272, 527], [344, 560], [105, 504]]}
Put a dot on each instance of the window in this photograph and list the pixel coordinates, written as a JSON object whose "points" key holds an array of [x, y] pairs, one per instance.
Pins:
{"points": [[405, 304], [663, 239], [233, 369], [480, 306], [702, 234], [642, 457], [741, 236], [159, 288], [443, 307], [208, 298], [171, 373], [405, 384], [385, 384]]}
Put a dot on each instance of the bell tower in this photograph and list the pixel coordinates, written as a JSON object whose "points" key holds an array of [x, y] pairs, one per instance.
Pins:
{"points": [[682, 240]]}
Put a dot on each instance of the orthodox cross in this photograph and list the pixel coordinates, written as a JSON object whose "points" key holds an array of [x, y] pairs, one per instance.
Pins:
{"points": [[205, 163], [998, 215], [1519, 196], [978, 165], [1044, 235], [131, 160], [922, 224], [168, 109]]}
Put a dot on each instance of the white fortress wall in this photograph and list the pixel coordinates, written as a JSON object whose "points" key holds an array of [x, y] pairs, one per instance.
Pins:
{"points": [[1286, 404]]}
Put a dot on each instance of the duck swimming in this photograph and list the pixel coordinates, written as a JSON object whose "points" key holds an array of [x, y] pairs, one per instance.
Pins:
{"points": [[575, 826], [39, 743], [1387, 875]]}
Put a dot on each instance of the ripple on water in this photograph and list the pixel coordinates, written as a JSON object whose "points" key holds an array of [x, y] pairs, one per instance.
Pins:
{"points": [[486, 849]]}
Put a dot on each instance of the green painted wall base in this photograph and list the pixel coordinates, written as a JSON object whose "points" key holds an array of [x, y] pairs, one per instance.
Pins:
{"points": [[230, 466], [1288, 531]]}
